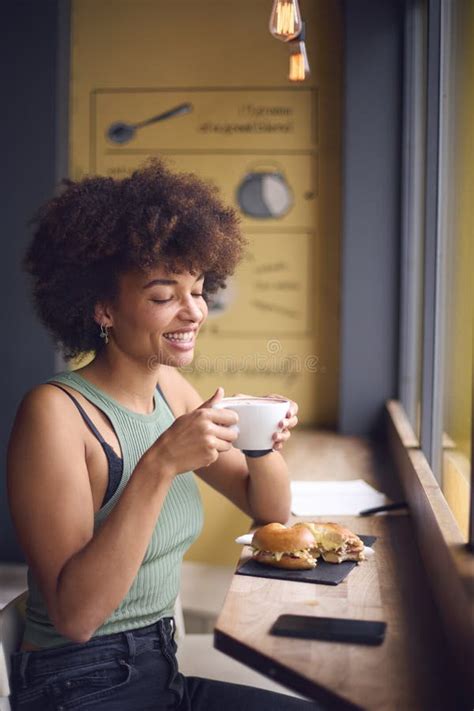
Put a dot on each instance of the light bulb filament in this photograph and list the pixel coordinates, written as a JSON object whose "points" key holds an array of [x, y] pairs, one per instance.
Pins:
{"points": [[297, 68], [285, 18]]}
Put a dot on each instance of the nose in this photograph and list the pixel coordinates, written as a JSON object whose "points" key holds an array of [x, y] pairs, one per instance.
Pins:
{"points": [[190, 310]]}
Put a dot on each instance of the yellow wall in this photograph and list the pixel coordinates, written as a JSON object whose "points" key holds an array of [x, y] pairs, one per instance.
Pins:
{"points": [[132, 59], [460, 264]]}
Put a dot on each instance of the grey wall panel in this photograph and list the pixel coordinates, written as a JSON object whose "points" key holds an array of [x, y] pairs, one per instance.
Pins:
{"points": [[371, 211], [28, 48]]}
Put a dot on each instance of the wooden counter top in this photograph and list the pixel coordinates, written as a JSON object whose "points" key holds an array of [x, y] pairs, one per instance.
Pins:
{"points": [[410, 670]]}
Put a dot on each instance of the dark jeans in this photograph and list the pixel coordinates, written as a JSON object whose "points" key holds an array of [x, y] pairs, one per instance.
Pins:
{"points": [[128, 671]]}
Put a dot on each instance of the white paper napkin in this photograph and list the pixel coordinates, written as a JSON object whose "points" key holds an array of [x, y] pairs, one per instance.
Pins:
{"points": [[333, 498]]}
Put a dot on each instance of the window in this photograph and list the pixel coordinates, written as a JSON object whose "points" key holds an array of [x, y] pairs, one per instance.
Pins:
{"points": [[457, 235], [437, 275]]}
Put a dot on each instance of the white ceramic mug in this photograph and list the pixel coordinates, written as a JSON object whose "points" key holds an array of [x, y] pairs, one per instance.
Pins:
{"points": [[258, 420]]}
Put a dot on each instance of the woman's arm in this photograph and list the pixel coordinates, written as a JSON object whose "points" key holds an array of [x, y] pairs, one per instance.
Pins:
{"points": [[258, 486], [85, 575], [82, 576]]}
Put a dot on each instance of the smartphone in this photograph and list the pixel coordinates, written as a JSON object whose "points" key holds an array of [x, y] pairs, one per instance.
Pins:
{"points": [[330, 629]]}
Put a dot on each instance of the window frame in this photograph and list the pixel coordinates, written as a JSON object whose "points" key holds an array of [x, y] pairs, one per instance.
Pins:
{"points": [[431, 412], [413, 213]]}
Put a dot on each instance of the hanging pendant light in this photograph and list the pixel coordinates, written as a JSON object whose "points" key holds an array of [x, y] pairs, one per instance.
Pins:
{"points": [[285, 20], [299, 65]]}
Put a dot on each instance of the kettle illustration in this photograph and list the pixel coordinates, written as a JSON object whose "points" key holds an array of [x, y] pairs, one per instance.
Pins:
{"points": [[264, 192]]}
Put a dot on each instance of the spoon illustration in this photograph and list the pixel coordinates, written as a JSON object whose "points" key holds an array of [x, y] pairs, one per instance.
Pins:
{"points": [[121, 132]]}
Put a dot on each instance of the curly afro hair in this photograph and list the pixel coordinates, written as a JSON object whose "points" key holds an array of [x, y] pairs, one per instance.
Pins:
{"points": [[99, 228]]}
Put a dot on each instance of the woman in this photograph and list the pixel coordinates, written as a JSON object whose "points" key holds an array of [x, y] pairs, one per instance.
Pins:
{"points": [[101, 460]]}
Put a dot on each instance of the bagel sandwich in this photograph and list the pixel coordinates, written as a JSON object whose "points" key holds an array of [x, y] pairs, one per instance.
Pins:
{"points": [[335, 543], [291, 548]]}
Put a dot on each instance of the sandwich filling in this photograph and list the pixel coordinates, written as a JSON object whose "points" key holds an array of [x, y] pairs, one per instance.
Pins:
{"points": [[336, 543], [304, 554]]}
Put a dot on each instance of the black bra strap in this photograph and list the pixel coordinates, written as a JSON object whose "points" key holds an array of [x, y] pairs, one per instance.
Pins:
{"points": [[85, 416], [162, 395]]}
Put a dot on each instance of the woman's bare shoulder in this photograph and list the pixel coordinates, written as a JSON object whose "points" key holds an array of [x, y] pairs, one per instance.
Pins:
{"points": [[42, 402], [45, 421]]}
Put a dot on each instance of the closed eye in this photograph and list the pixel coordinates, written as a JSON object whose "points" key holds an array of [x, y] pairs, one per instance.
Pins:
{"points": [[165, 301]]}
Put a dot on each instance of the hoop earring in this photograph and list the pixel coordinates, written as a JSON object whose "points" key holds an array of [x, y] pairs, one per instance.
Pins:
{"points": [[104, 332]]}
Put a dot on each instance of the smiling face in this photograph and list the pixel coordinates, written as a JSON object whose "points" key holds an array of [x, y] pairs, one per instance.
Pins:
{"points": [[156, 316]]}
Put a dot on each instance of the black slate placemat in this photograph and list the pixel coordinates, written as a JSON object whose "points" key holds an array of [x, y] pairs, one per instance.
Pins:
{"points": [[324, 573]]}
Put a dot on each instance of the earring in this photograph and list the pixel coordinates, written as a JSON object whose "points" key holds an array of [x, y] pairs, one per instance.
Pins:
{"points": [[104, 332]]}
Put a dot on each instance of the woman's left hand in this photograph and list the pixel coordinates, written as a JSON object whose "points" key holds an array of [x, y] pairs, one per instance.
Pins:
{"points": [[290, 421]]}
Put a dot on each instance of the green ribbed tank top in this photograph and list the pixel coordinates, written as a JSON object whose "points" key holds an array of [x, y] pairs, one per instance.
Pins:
{"points": [[154, 590]]}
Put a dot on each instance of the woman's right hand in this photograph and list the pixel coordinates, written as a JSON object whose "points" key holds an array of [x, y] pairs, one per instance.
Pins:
{"points": [[195, 439]]}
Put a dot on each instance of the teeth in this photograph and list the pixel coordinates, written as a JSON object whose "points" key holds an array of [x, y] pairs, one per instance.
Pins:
{"points": [[187, 336]]}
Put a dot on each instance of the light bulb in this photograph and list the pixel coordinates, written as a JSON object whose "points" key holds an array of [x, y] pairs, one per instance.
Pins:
{"points": [[285, 20], [299, 65]]}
